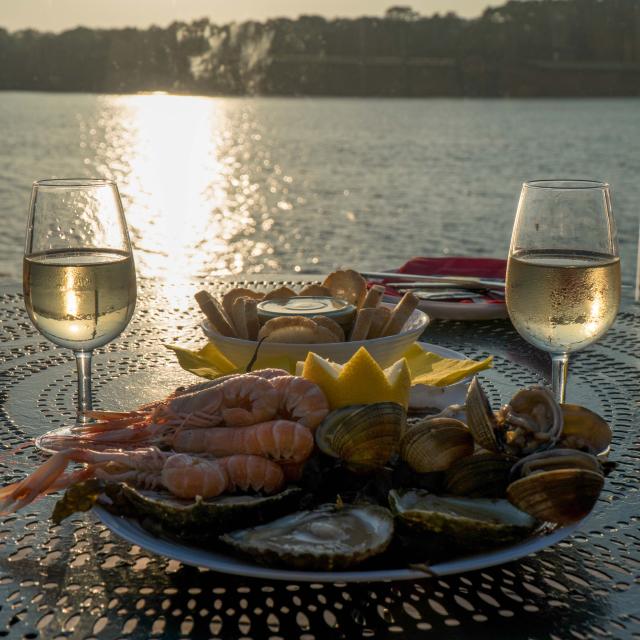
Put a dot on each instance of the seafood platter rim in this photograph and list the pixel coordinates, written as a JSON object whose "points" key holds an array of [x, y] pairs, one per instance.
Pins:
{"points": [[131, 531], [419, 320]]}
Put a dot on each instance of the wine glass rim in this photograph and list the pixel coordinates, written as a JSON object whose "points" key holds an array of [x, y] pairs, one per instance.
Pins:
{"points": [[567, 184], [73, 182]]}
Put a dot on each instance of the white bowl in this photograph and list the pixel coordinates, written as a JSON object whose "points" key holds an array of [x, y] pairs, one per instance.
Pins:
{"points": [[385, 351]]}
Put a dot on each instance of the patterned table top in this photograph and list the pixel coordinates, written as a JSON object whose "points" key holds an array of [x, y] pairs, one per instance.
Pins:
{"points": [[78, 580]]}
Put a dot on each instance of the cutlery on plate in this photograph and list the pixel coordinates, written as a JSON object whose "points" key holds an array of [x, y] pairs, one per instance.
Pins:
{"points": [[414, 279]]}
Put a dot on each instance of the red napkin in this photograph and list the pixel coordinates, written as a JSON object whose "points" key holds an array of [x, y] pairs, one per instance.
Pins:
{"points": [[454, 266]]}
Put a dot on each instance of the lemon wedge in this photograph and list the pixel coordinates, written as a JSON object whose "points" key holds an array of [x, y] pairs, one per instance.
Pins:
{"points": [[359, 381]]}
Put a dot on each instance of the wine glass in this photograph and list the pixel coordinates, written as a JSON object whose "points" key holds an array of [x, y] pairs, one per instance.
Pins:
{"points": [[563, 273], [79, 279]]}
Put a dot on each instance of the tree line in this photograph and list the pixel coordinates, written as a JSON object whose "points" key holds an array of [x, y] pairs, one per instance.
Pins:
{"points": [[523, 48]]}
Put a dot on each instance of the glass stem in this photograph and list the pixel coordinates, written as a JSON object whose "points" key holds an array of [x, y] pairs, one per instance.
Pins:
{"points": [[559, 369], [83, 364]]}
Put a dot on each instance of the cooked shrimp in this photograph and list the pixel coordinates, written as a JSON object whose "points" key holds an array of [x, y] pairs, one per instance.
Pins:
{"points": [[301, 400], [237, 401], [183, 475], [253, 472], [279, 440]]}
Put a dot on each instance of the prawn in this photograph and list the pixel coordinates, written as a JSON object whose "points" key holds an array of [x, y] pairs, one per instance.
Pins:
{"points": [[183, 475], [237, 401], [279, 440], [301, 400]]}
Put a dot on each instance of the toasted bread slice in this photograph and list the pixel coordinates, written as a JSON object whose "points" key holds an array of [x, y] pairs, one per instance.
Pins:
{"points": [[215, 314]]}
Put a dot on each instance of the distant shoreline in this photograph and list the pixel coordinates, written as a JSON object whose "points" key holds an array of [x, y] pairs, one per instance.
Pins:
{"points": [[320, 97]]}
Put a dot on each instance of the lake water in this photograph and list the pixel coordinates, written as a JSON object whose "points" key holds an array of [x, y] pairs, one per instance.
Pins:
{"points": [[235, 185]]}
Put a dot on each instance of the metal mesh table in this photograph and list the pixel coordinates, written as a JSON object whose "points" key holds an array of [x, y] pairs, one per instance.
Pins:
{"points": [[77, 580]]}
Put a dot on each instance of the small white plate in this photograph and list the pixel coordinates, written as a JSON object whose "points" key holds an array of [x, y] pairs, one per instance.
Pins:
{"points": [[132, 532], [464, 311]]}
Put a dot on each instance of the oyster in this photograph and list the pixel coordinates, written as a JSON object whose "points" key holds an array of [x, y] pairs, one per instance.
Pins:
{"points": [[531, 421], [585, 430], [434, 444], [327, 538], [483, 475], [470, 522], [560, 486], [363, 436], [199, 519]]}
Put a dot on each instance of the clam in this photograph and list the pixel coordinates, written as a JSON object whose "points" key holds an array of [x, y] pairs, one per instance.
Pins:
{"points": [[585, 430], [483, 475], [481, 419], [531, 421], [435, 444], [328, 538], [469, 522], [560, 486], [363, 436]]}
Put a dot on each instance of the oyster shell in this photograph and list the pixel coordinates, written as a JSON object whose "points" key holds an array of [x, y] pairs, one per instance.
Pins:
{"points": [[364, 436], [434, 444], [585, 430], [531, 421], [483, 475], [199, 519], [560, 486], [325, 539], [470, 522]]}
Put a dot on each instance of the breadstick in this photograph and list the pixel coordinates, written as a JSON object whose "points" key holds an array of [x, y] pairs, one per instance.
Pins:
{"points": [[251, 318], [215, 314], [401, 314], [239, 318], [362, 324], [379, 322], [373, 297]]}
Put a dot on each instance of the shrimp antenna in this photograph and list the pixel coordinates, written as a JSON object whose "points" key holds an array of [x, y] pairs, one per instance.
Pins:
{"points": [[254, 357]]}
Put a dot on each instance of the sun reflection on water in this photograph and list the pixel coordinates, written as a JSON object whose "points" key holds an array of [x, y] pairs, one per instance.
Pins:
{"points": [[174, 183]]}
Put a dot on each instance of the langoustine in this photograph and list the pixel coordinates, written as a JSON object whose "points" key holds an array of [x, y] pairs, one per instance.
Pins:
{"points": [[185, 476], [278, 440]]}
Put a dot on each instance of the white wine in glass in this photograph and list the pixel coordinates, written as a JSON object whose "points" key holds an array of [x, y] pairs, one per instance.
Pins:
{"points": [[79, 278], [563, 274]]}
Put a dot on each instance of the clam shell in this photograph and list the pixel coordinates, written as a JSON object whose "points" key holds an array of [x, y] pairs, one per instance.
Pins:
{"points": [[555, 459], [364, 436], [435, 444], [585, 430], [561, 496], [535, 413], [483, 475], [480, 418]]}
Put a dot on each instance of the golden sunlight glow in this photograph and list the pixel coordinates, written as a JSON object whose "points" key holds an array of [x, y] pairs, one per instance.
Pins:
{"points": [[175, 186]]}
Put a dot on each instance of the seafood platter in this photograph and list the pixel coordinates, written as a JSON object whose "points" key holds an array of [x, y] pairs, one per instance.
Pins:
{"points": [[266, 469]]}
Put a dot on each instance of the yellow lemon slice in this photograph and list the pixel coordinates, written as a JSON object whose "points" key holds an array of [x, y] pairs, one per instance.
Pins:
{"points": [[360, 381]]}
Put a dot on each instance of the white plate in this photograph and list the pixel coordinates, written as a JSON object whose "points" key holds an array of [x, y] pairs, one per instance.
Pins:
{"points": [[464, 311], [132, 532]]}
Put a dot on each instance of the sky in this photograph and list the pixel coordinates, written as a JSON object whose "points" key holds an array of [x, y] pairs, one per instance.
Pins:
{"points": [[58, 15]]}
